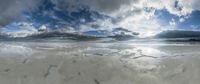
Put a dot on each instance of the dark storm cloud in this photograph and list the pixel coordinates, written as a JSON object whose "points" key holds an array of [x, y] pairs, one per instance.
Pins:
{"points": [[12, 9], [108, 5], [104, 6]]}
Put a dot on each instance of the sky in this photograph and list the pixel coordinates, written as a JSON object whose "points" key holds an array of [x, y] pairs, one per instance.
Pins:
{"points": [[146, 17]]}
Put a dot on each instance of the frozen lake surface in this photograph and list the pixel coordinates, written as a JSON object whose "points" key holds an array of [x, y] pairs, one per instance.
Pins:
{"points": [[99, 63]]}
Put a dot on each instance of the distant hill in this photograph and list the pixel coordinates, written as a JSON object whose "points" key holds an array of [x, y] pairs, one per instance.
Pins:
{"points": [[3, 36], [178, 34], [116, 34], [113, 33]]}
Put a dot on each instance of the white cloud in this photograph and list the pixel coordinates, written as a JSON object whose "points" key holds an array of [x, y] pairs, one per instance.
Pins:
{"points": [[181, 19], [172, 23], [176, 7]]}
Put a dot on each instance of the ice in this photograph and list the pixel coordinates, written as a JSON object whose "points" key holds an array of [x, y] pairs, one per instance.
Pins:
{"points": [[10, 50], [98, 63]]}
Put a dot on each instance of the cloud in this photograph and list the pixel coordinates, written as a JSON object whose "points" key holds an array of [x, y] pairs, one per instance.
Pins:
{"points": [[12, 9], [176, 7], [135, 15], [172, 23], [108, 6]]}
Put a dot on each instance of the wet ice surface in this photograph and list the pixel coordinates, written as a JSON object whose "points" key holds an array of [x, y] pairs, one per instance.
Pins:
{"points": [[98, 63]]}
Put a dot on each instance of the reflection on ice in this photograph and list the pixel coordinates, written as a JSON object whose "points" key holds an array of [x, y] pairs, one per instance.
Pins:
{"points": [[98, 63], [142, 58], [151, 51], [9, 50]]}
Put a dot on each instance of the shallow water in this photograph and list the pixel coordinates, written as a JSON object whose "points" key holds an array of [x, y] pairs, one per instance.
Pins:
{"points": [[99, 63]]}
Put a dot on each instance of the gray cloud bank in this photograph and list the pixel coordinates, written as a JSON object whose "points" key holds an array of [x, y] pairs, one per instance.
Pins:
{"points": [[12, 9]]}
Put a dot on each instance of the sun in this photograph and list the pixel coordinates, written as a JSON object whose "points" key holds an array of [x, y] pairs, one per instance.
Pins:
{"points": [[150, 33]]}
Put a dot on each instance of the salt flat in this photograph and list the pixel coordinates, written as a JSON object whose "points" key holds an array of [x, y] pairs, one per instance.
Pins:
{"points": [[99, 63]]}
